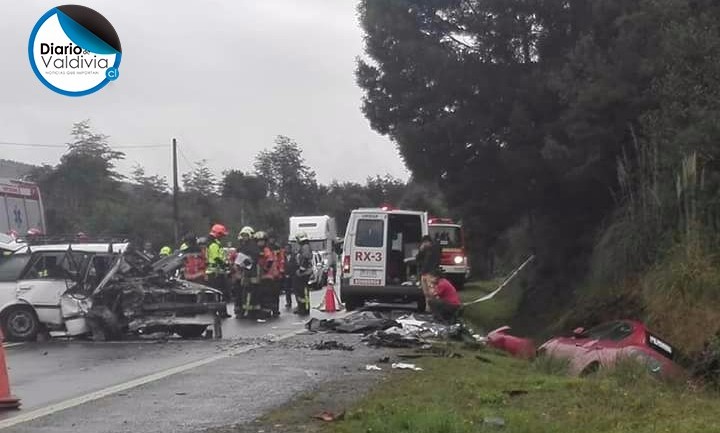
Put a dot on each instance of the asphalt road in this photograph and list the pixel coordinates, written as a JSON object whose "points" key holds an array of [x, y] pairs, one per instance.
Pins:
{"points": [[143, 385]]}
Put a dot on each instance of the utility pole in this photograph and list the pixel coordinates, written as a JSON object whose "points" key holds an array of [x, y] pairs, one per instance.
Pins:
{"points": [[176, 217]]}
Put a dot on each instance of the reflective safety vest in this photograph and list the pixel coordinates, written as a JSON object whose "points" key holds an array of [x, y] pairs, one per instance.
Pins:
{"points": [[216, 259]]}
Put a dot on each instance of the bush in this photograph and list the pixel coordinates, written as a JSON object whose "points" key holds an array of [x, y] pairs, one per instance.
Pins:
{"points": [[681, 294]]}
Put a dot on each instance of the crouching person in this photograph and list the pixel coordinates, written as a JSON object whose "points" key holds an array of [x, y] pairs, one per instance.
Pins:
{"points": [[444, 301]]}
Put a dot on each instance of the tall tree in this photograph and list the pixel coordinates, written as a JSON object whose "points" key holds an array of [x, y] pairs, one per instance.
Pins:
{"points": [[200, 180], [288, 177]]}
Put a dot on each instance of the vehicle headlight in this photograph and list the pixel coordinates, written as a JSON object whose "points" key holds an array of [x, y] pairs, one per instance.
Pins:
{"points": [[458, 260]]}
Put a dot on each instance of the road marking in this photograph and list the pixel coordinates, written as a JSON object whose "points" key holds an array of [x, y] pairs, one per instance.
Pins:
{"points": [[9, 345], [77, 401]]}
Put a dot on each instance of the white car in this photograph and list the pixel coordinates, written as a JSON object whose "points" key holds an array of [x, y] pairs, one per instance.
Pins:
{"points": [[99, 289]]}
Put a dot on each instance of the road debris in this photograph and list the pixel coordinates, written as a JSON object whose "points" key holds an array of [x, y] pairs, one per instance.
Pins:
{"points": [[364, 322], [329, 416], [372, 367], [332, 345], [404, 366], [516, 346]]}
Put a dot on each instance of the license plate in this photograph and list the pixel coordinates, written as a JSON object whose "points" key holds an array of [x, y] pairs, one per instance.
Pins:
{"points": [[366, 282]]}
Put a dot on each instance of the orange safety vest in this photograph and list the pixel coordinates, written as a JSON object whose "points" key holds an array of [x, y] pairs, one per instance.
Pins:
{"points": [[267, 265], [280, 261], [194, 267]]}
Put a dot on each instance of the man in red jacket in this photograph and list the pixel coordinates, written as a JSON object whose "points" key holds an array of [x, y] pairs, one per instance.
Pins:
{"points": [[444, 302]]}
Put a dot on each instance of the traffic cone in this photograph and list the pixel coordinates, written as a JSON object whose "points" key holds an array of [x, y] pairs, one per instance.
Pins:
{"points": [[7, 400], [330, 300]]}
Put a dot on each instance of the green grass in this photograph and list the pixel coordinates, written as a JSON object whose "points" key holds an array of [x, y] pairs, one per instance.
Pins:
{"points": [[456, 395], [496, 312]]}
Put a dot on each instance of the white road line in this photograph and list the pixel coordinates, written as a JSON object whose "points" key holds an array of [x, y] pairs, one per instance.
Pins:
{"points": [[8, 345], [77, 401]]}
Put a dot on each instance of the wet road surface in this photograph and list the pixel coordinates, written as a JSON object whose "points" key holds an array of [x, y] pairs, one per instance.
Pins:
{"points": [[52, 375]]}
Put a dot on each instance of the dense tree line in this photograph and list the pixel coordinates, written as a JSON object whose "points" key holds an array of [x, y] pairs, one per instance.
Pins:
{"points": [[584, 130], [85, 193]]}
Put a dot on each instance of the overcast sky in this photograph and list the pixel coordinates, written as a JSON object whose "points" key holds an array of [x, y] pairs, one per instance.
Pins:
{"points": [[223, 77]]}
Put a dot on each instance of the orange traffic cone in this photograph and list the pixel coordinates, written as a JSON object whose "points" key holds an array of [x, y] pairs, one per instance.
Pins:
{"points": [[7, 400], [331, 300]]}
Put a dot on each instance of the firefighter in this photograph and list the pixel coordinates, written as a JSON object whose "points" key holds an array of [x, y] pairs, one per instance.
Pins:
{"points": [[279, 279], [189, 243], [216, 259], [194, 257], [244, 269], [268, 274], [289, 269], [304, 260]]}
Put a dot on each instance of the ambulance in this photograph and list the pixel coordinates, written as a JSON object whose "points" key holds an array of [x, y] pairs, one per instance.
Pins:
{"points": [[378, 259]]}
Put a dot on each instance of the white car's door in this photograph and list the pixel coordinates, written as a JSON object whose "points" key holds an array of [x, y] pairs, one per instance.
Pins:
{"points": [[42, 284], [11, 268]]}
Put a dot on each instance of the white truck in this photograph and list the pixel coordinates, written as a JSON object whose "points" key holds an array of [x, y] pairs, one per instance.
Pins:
{"points": [[322, 232], [21, 207]]}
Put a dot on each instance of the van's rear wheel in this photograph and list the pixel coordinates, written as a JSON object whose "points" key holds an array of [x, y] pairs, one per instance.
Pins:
{"points": [[20, 324], [190, 331], [353, 304]]}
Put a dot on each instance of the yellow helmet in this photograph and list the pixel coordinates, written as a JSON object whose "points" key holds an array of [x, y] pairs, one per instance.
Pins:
{"points": [[165, 251]]}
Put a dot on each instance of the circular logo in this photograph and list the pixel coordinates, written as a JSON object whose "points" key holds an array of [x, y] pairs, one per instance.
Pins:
{"points": [[74, 50]]}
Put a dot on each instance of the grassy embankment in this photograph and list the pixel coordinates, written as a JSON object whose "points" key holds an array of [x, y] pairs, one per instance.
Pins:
{"points": [[464, 395]]}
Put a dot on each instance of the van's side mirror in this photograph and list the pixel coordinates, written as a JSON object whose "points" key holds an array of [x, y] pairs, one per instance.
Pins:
{"points": [[578, 332]]}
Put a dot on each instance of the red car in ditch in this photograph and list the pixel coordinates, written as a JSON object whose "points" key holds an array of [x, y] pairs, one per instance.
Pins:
{"points": [[604, 345]]}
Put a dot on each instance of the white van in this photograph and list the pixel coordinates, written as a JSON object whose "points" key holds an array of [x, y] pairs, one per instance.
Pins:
{"points": [[379, 257]]}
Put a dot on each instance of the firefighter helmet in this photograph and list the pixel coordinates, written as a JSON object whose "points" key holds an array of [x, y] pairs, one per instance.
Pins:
{"points": [[302, 237], [246, 231], [261, 235], [165, 251], [218, 231]]}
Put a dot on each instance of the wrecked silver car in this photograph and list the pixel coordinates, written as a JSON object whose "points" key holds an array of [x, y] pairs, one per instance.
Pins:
{"points": [[104, 290]]}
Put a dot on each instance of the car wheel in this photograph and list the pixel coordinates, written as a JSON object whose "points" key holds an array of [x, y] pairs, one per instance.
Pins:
{"points": [[190, 331], [20, 324], [353, 304], [591, 369]]}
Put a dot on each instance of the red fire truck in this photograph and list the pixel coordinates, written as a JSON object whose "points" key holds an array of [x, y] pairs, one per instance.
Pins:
{"points": [[454, 261]]}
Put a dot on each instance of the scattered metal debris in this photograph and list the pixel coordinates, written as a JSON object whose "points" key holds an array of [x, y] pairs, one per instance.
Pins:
{"points": [[332, 345], [365, 322], [404, 366]]}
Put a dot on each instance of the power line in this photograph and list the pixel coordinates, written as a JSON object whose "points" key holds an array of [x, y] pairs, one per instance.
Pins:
{"points": [[65, 146], [185, 158]]}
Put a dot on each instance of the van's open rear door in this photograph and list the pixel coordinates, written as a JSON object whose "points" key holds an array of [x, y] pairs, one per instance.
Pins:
{"points": [[368, 259]]}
